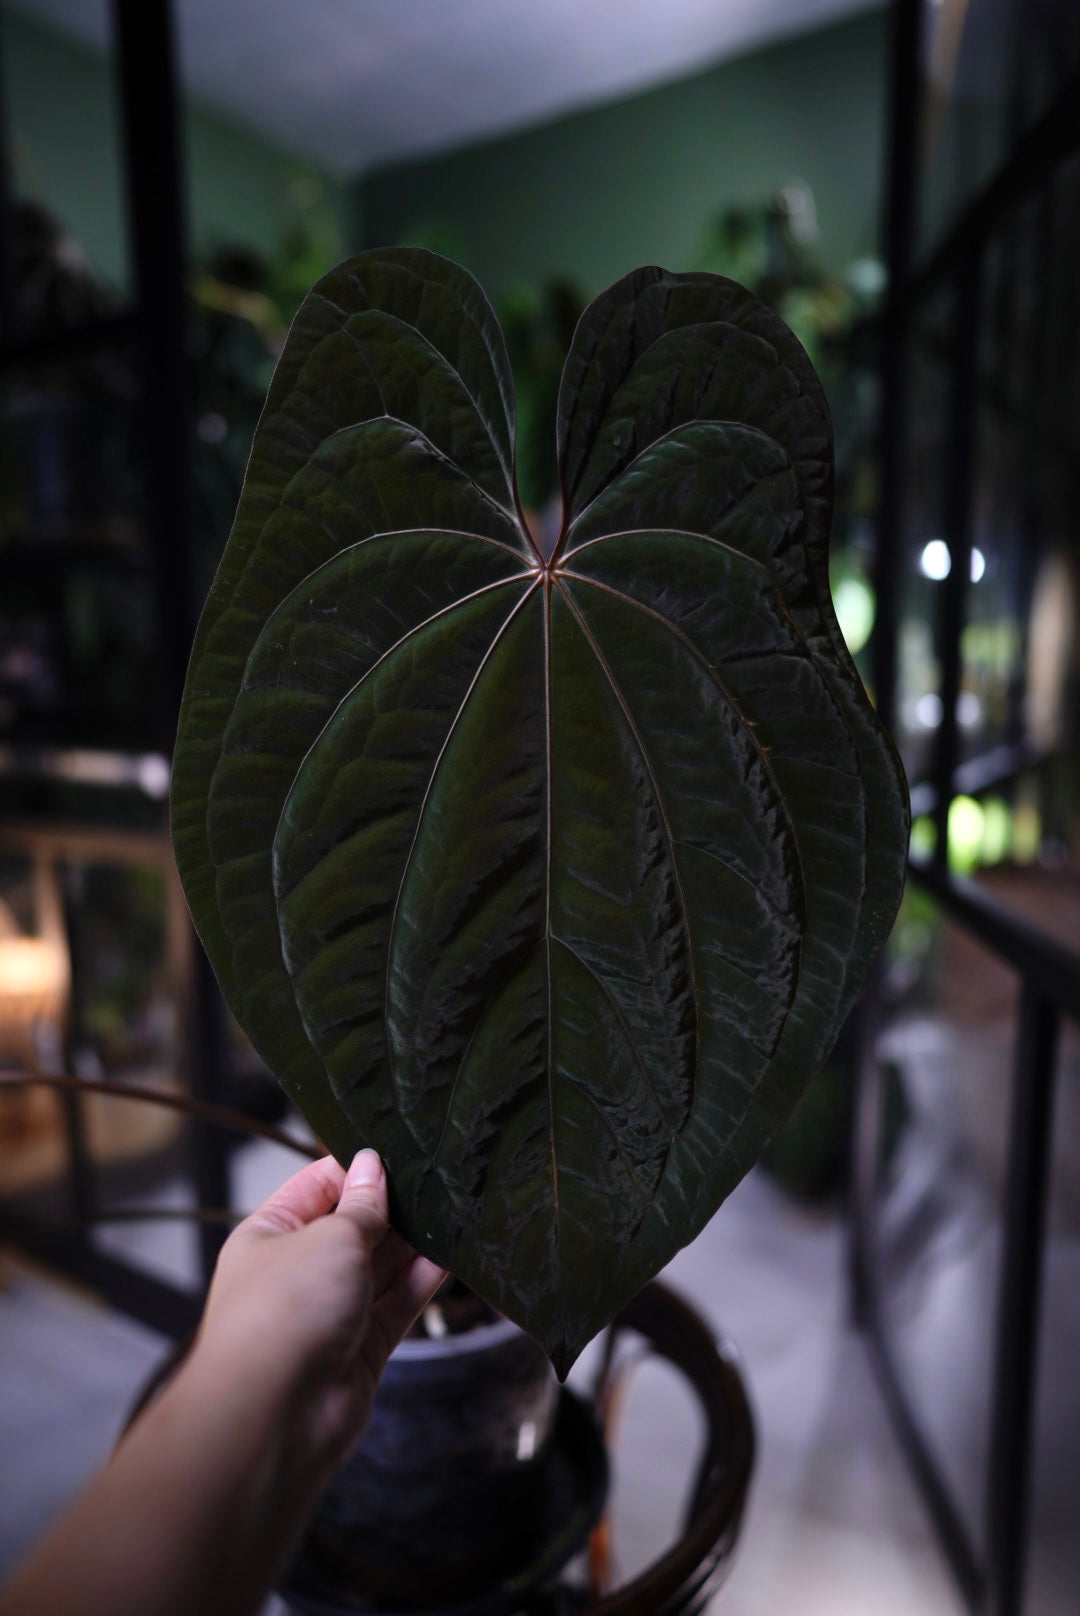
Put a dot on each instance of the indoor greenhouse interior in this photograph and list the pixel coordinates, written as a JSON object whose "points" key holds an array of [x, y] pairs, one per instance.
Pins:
{"points": [[852, 1388]]}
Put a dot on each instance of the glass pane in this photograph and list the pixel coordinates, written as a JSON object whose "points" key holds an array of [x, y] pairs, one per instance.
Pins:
{"points": [[1019, 644], [1050, 712], [64, 123], [946, 1062], [964, 105], [79, 657], [1046, 50], [925, 554], [1054, 1555], [79, 663], [129, 965], [130, 959], [990, 69], [1003, 552]]}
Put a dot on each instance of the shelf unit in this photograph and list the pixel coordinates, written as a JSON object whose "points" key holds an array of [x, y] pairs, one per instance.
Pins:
{"points": [[153, 330]]}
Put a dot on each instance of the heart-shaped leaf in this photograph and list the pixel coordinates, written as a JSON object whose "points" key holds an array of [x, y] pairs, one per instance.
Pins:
{"points": [[551, 878]]}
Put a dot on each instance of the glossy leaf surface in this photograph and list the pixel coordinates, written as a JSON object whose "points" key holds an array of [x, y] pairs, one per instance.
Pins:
{"points": [[552, 879]]}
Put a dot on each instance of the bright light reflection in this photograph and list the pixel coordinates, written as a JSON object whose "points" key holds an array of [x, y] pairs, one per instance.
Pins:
{"points": [[928, 710], [853, 601], [966, 823], [969, 709], [153, 775], [935, 561]]}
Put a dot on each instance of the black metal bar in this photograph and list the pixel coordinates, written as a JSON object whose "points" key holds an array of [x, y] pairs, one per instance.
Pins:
{"points": [[952, 1533], [69, 342], [154, 185], [140, 1295], [1038, 957], [208, 1061], [1018, 1308], [897, 233], [865, 1145], [1054, 436], [155, 190], [1050, 972], [899, 230], [989, 771], [9, 313], [1017, 59], [959, 494], [1045, 144], [199, 1110], [1038, 417], [898, 226], [82, 1177]]}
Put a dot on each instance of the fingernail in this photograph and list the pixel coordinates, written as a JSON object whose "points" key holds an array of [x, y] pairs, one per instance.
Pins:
{"points": [[366, 1168]]}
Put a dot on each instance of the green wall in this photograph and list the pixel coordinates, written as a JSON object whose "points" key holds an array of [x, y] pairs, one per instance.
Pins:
{"points": [[64, 119], [635, 181], [591, 195]]}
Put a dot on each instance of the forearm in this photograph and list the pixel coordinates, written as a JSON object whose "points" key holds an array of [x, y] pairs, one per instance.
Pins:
{"points": [[197, 1511], [194, 1515]]}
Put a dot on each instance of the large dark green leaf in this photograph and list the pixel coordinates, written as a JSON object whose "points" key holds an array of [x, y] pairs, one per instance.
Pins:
{"points": [[553, 880]]}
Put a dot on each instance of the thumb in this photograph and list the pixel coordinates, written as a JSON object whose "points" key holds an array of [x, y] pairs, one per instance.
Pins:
{"points": [[363, 1199]]}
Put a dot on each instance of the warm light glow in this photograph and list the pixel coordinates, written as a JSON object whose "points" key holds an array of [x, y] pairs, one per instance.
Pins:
{"points": [[33, 981], [29, 966]]}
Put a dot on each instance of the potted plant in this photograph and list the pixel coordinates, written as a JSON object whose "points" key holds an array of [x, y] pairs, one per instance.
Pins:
{"points": [[550, 872]]}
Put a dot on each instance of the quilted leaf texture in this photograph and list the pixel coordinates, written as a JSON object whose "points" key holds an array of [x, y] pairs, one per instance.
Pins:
{"points": [[552, 878]]}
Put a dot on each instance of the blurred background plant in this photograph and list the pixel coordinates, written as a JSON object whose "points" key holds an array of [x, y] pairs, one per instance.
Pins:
{"points": [[242, 304], [772, 246]]}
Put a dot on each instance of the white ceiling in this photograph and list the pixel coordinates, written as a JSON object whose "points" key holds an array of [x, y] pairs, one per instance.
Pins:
{"points": [[355, 83]]}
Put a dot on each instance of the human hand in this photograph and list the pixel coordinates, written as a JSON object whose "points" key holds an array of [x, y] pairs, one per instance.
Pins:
{"points": [[311, 1294], [205, 1496]]}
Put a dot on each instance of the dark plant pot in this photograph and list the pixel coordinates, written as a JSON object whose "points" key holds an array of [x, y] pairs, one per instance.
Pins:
{"points": [[443, 1492]]}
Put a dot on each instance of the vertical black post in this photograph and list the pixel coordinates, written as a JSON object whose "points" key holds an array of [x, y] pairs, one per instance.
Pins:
{"points": [[8, 309], [1018, 1305], [1038, 411], [865, 1152], [959, 489], [156, 219], [82, 1177], [154, 177], [898, 230]]}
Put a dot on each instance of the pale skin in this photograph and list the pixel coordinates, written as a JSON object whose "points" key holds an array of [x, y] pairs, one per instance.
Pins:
{"points": [[200, 1505]]}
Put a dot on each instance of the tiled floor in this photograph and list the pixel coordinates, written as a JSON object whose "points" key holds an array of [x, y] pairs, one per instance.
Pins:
{"points": [[833, 1528]]}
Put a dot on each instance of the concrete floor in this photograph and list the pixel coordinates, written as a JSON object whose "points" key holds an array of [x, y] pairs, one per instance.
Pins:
{"points": [[834, 1526]]}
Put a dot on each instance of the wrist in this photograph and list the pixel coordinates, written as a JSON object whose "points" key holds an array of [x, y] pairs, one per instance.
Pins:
{"points": [[255, 1426]]}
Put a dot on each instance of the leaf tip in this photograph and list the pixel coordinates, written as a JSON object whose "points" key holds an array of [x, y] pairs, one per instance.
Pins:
{"points": [[563, 1358]]}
